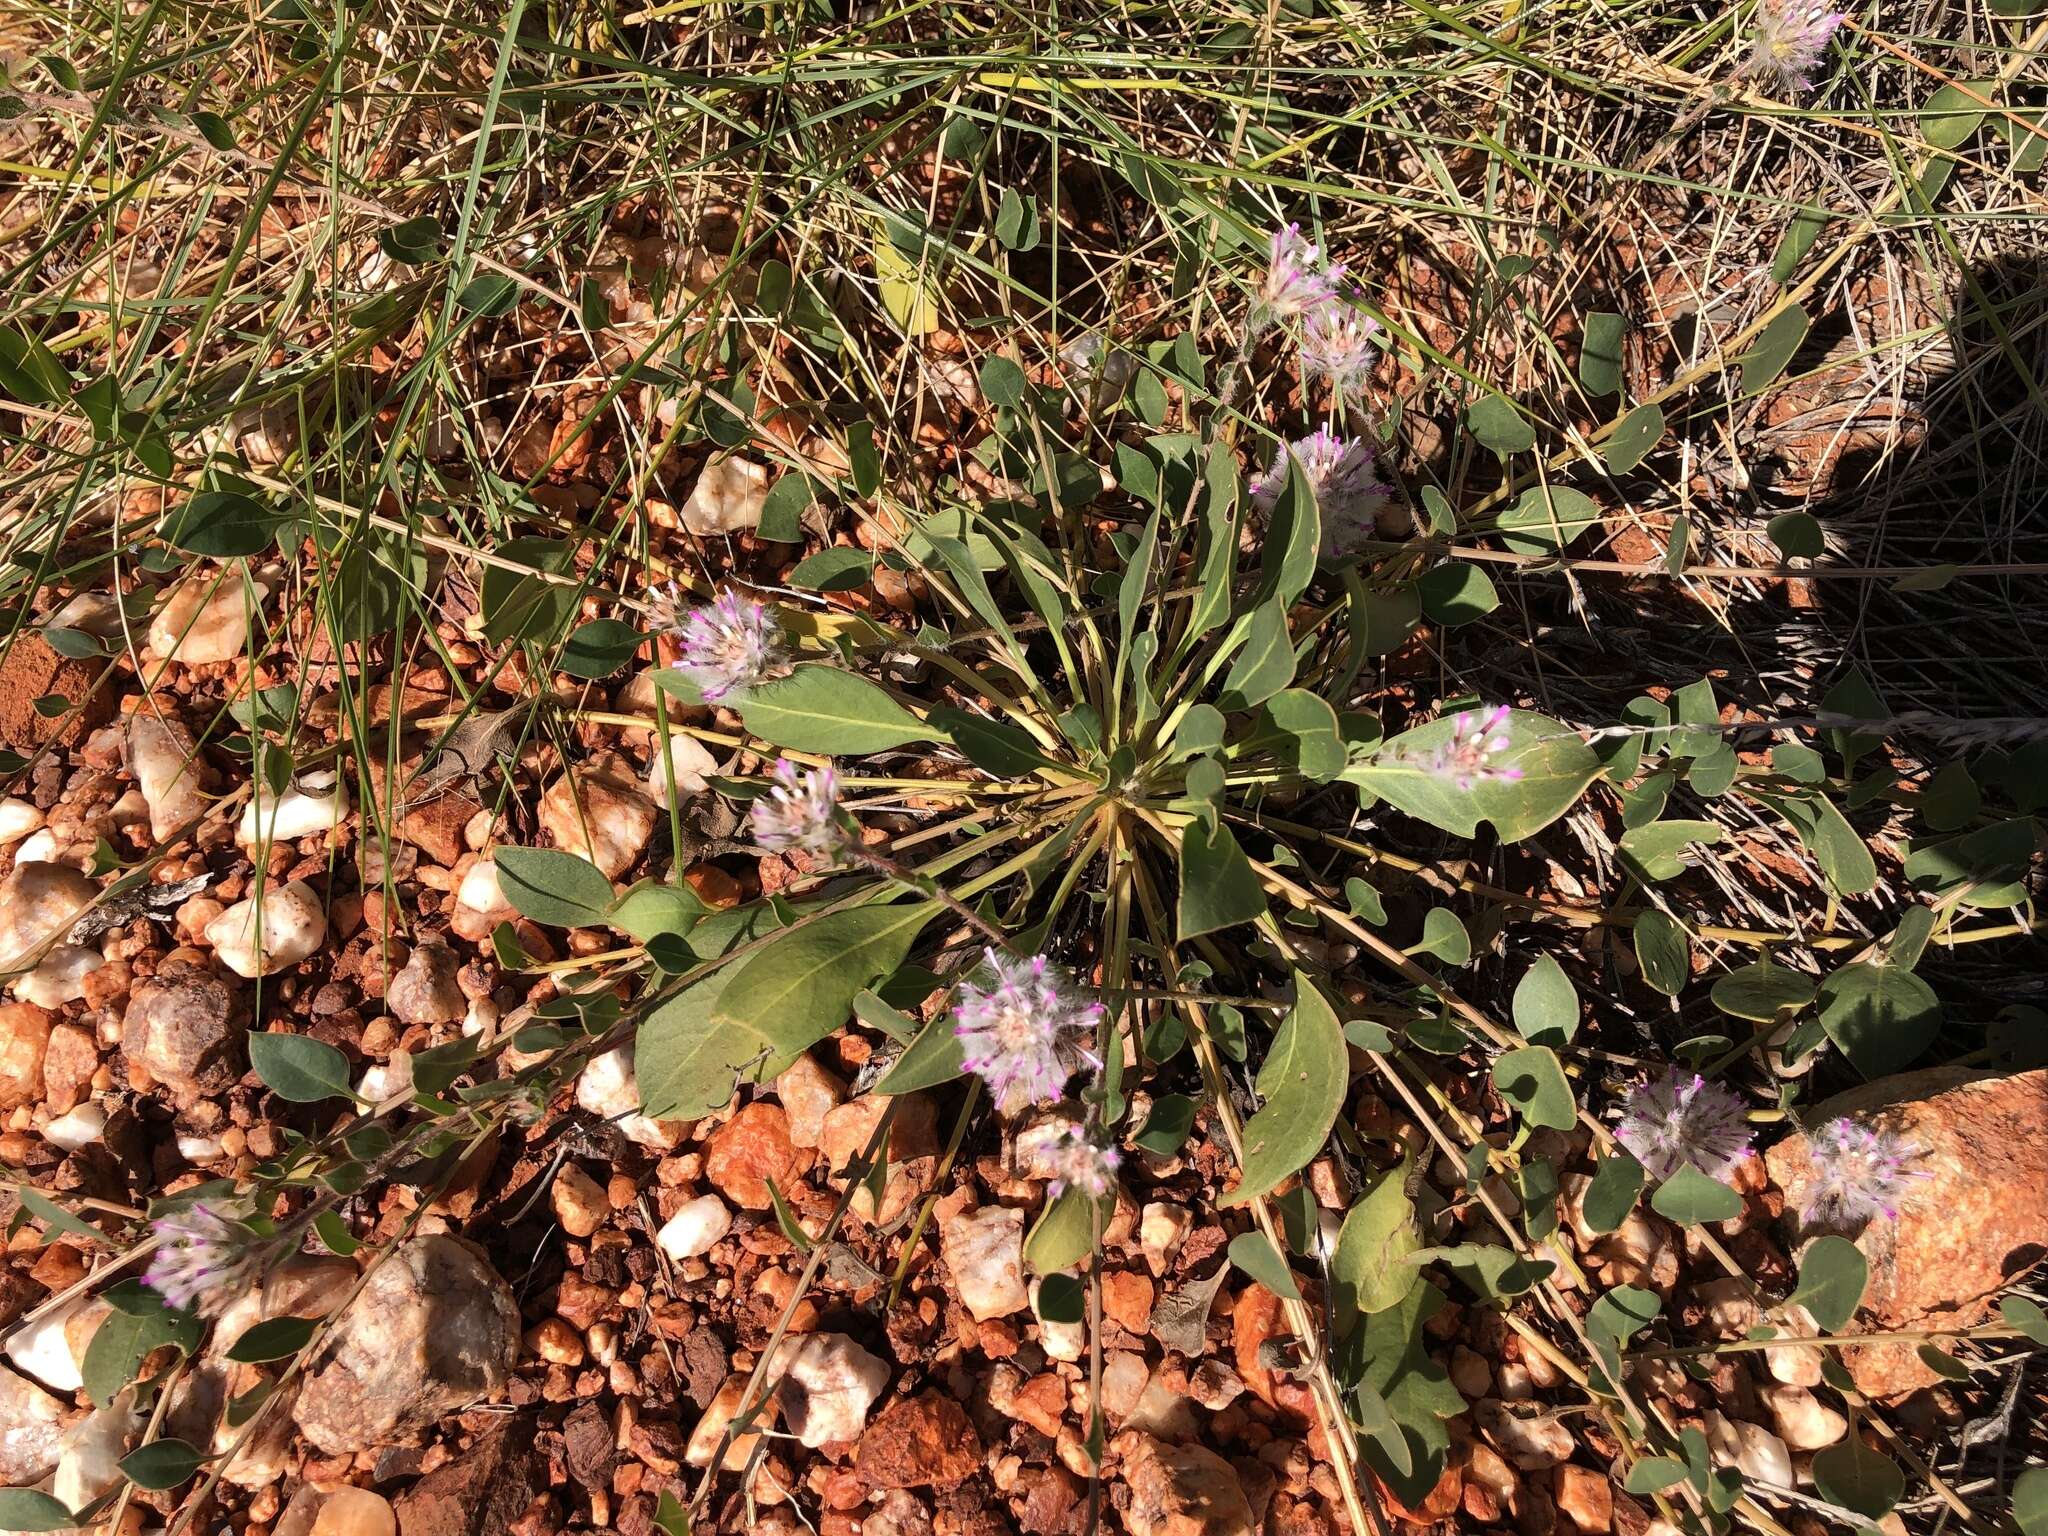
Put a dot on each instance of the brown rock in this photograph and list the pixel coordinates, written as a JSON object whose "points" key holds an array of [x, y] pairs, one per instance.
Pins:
{"points": [[436, 827], [589, 1444], [1183, 1490], [28, 672], [1964, 1232], [1053, 1503], [919, 1442], [750, 1149], [479, 1492], [1584, 1497], [1127, 1299], [68, 1065], [24, 1039], [1440, 1503], [185, 1028]]}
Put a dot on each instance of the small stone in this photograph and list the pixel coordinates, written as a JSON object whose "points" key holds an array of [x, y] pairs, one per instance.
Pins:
{"points": [[554, 1341], [919, 1442], [1060, 1341], [579, 1200], [1752, 1449], [984, 1253], [828, 1385], [480, 903], [1533, 1442], [31, 1431], [1805, 1423], [165, 764], [60, 977], [1183, 1490], [808, 1093], [1127, 1300], [425, 990], [1471, 1374], [598, 815], [750, 1149], [206, 617], [1215, 1385], [1584, 1497], [1124, 1374], [89, 1456], [606, 1088], [482, 1491], [69, 1062], [711, 1428], [185, 1027], [18, 818], [315, 802], [694, 1229], [52, 1347], [80, 1128], [728, 497], [24, 1041], [337, 1509], [690, 760], [1161, 1230], [39, 902], [261, 935], [433, 1331]]}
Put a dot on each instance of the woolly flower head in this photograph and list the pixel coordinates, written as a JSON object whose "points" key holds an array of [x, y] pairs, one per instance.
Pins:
{"points": [[728, 643], [1347, 488], [800, 812], [1081, 1164], [1682, 1119], [1337, 342], [204, 1258], [1471, 753], [1021, 1034], [1858, 1173], [1299, 283], [1791, 38]]}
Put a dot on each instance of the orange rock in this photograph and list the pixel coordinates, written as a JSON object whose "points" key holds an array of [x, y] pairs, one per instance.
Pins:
{"points": [[750, 1149], [1127, 1299], [1584, 1497]]}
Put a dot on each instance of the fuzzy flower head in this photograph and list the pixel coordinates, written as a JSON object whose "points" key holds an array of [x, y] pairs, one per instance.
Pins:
{"points": [[801, 812], [1858, 1173], [728, 643], [1299, 283], [1081, 1164], [1682, 1119], [1348, 490], [1021, 1035], [1337, 342], [1471, 754], [1791, 38], [204, 1259]]}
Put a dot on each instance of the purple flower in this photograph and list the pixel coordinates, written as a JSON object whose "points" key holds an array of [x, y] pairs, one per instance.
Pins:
{"points": [[1467, 756], [1337, 343], [801, 812], [1682, 1119], [1081, 1164], [1299, 283], [729, 643], [1858, 1173], [1791, 37], [1020, 1035], [1340, 473], [203, 1259]]}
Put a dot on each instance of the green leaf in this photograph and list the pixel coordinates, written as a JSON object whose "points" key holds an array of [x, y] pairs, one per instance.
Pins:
{"points": [[686, 1059], [1555, 766], [650, 909], [162, 1464], [1369, 1271], [1952, 115], [1942, 1363], [2030, 1501], [1600, 352], [1017, 221], [1762, 991], [300, 1069], [1546, 1004], [1418, 1392], [1301, 730], [599, 648], [1663, 951], [1498, 425], [1444, 937], [1805, 228], [223, 524], [1834, 844], [1532, 1080], [1773, 349], [1218, 888], [934, 1057], [1617, 1180], [833, 570], [1065, 1232], [825, 709], [55, 1218], [1854, 1476], [560, 890], [29, 371], [278, 1338], [25, 1509], [1689, 1198], [1633, 438], [1166, 1128], [1652, 851], [1455, 593], [488, 293], [1546, 519], [800, 986], [520, 602], [415, 242], [1005, 750], [1832, 1275], [1302, 1082], [1653, 1474], [1882, 1017], [1494, 1273], [1254, 1253], [125, 1338], [1798, 535], [2024, 1315], [1265, 665]]}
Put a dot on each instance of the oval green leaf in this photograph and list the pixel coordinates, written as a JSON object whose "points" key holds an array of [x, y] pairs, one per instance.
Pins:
{"points": [[1303, 1083], [825, 709]]}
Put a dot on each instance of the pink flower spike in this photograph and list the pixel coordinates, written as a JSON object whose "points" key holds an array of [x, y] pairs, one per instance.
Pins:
{"points": [[203, 1259], [1857, 1174], [801, 812], [1020, 1036], [729, 643], [1344, 479], [1082, 1164], [1682, 1120], [1298, 281], [1337, 343], [1792, 36]]}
